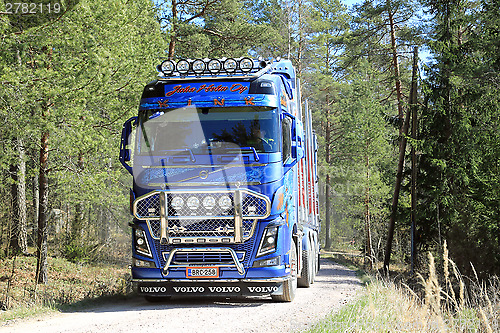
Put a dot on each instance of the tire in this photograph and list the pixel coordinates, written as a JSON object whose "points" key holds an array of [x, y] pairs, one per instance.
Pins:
{"points": [[289, 286], [306, 278]]}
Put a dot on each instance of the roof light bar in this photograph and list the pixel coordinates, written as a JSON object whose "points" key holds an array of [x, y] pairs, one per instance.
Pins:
{"points": [[212, 67]]}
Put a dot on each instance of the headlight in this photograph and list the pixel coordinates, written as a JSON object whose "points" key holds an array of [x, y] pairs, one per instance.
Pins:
{"points": [[269, 241], [167, 67], [183, 66], [141, 243], [230, 65], [193, 203], [246, 65], [209, 202], [225, 202], [177, 202], [198, 66], [214, 66]]}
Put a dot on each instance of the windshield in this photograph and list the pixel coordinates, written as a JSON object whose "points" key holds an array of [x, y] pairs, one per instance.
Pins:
{"points": [[200, 145], [200, 129]]}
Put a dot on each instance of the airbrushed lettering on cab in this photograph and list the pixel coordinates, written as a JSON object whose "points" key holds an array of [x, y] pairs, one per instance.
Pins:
{"points": [[180, 89]]}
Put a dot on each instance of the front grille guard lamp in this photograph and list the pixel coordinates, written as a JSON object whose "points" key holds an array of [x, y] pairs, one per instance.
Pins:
{"points": [[141, 243], [276, 261], [269, 241]]}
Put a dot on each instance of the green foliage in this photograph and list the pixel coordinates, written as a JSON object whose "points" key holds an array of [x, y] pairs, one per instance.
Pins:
{"points": [[76, 253], [78, 78], [459, 168]]}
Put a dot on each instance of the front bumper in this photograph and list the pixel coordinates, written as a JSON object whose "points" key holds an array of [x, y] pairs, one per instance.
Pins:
{"points": [[217, 288]]}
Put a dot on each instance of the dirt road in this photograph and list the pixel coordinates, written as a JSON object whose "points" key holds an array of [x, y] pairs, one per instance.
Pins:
{"points": [[334, 287]]}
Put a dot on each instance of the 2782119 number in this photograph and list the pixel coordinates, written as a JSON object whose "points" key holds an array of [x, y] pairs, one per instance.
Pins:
{"points": [[32, 8]]}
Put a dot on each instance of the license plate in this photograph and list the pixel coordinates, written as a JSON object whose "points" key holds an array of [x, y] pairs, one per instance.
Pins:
{"points": [[202, 272]]}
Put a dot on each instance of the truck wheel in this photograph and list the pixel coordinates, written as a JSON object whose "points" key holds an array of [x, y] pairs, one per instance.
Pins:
{"points": [[306, 277], [289, 286]]}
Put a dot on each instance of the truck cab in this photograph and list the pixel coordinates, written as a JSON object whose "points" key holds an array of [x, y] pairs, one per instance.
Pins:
{"points": [[215, 153]]}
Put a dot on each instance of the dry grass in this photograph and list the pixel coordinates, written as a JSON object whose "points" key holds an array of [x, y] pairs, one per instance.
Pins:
{"points": [[68, 283], [448, 302]]}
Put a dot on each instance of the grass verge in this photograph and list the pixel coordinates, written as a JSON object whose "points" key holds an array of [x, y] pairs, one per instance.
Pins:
{"points": [[441, 302], [70, 285]]}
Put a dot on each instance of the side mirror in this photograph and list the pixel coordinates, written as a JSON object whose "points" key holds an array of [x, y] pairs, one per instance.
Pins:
{"points": [[297, 141], [125, 152]]}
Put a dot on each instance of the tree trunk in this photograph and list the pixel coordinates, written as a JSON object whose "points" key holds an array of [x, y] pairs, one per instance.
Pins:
{"points": [[395, 63], [19, 233], [173, 37], [395, 197], [368, 250], [413, 106], [41, 267], [328, 240], [77, 225], [36, 207]]}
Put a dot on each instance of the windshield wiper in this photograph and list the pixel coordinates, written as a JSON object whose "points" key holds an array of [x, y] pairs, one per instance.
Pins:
{"points": [[254, 152], [236, 150], [193, 158]]}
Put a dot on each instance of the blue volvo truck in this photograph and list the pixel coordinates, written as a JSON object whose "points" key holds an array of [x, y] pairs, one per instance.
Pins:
{"points": [[224, 197]]}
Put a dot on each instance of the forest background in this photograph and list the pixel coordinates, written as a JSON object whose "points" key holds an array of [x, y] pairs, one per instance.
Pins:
{"points": [[69, 80]]}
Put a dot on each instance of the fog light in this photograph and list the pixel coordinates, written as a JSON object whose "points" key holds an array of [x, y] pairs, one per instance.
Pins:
{"points": [[209, 202], [177, 202], [225, 202], [276, 261], [193, 203], [143, 263]]}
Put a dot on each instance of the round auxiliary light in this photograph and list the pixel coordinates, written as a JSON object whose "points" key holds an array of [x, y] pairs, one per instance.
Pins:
{"points": [[193, 203], [198, 66], [246, 65], [230, 65], [177, 202], [167, 67], [225, 202], [183, 66], [214, 66], [209, 202]]}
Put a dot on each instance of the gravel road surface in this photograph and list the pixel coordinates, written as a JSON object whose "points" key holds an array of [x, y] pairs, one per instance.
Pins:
{"points": [[335, 285]]}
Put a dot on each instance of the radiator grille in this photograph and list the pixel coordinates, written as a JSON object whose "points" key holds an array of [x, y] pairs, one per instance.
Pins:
{"points": [[243, 250]]}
